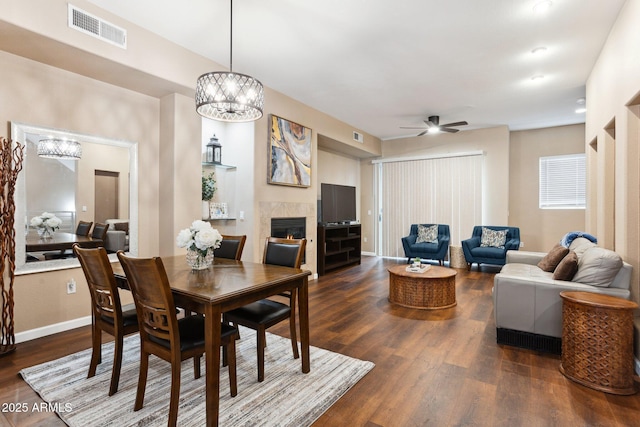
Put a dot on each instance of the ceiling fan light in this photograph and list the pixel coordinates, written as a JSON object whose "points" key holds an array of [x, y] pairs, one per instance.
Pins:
{"points": [[434, 129]]}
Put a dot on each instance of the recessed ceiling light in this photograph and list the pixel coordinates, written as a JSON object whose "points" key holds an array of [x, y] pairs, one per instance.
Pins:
{"points": [[581, 110], [542, 7], [539, 50], [538, 77]]}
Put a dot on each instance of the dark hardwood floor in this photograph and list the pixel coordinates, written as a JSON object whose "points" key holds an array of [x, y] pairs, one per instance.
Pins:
{"points": [[433, 368]]}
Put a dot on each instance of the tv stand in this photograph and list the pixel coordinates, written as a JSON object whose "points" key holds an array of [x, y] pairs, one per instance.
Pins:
{"points": [[339, 245]]}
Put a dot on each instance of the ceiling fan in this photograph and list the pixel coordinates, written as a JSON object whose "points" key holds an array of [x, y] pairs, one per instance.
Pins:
{"points": [[433, 126]]}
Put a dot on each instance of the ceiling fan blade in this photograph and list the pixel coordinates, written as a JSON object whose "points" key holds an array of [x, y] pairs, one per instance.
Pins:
{"points": [[462, 123], [422, 133], [443, 129], [407, 127]]}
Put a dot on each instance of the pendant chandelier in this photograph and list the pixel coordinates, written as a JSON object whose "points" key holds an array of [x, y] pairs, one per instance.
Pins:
{"points": [[56, 148], [229, 96]]}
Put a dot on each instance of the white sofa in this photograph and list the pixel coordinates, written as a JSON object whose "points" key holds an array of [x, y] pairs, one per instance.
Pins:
{"points": [[526, 299], [117, 239]]}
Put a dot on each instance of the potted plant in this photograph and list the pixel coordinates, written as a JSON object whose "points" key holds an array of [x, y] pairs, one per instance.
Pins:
{"points": [[208, 190]]}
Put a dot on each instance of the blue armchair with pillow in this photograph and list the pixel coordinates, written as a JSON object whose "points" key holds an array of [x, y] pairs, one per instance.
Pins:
{"points": [[427, 241], [489, 245]]}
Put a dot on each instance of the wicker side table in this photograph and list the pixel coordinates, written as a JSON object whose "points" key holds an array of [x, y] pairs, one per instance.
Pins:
{"points": [[597, 341], [432, 290]]}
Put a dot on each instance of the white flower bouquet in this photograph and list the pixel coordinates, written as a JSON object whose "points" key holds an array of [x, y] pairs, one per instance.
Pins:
{"points": [[46, 223], [199, 237]]}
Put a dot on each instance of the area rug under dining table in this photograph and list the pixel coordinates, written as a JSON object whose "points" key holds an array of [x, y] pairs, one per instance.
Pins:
{"points": [[287, 397]]}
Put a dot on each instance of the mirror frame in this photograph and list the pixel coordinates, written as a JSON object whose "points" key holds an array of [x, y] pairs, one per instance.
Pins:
{"points": [[18, 136]]}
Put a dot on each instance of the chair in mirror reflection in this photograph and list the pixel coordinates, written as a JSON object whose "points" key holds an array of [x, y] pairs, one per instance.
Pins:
{"points": [[163, 334], [263, 314], [107, 313]]}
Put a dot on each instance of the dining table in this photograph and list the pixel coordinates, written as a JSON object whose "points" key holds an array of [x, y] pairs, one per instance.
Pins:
{"points": [[60, 241], [226, 285]]}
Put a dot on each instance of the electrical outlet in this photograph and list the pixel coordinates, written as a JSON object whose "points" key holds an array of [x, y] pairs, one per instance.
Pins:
{"points": [[365, 239], [522, 244], [71, 286]]}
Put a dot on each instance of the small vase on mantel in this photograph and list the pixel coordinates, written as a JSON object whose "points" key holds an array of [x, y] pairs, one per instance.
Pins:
{"points": [[197, 261]]}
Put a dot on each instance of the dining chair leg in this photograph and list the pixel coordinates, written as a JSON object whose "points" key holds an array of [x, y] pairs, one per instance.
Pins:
{"points": [[262, 343], [96, 350], [196, 366], [142, 380], [117, 363], [292, 325], [175, 393], [230, 351]]}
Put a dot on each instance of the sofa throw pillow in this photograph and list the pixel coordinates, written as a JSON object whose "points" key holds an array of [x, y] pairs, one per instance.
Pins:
{"points": [[553, 258], [427, 234], [493, 238], [598, 267], [567, 268]]}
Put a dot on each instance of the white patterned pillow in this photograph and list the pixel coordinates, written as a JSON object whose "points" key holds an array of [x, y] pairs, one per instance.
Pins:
{"points": [[493, 238], [427, 234]]}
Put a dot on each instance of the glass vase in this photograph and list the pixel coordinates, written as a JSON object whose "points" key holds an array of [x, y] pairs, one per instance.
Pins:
{"points": [[197, 261], [45, 232]]}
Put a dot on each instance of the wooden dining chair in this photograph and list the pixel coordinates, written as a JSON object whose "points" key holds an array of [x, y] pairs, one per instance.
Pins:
{"points": [[100, 231], [107, 314], [162, 334], [263, 314], [231, 247]]}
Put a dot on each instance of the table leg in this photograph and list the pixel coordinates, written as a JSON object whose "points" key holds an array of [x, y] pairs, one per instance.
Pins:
{"points": [[303, 304], [212, 363]]}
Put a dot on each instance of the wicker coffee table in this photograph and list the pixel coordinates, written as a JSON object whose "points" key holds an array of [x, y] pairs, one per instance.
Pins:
{"points": [[597, 341], [432, 290]]}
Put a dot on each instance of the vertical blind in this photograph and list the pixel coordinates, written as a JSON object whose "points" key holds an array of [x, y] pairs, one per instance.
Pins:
{"points": [[428, 191], [563, 182]]}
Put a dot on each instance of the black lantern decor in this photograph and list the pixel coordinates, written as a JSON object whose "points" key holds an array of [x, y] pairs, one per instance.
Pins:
{"points": [[214, 151]]}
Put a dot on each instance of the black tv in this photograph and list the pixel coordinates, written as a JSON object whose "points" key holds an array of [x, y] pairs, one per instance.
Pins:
{"points": [[338, 203]]}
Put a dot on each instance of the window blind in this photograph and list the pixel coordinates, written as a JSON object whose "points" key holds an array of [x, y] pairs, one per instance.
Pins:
{"points": [[444, 190], [563, 182]]}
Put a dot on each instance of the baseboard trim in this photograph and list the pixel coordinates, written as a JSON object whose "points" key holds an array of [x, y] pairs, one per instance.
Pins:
{"points": [[43, 331], [529, 340]]}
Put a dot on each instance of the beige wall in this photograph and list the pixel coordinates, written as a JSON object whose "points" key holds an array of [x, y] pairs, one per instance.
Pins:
{"points": [[540, 229], [613, 126]]}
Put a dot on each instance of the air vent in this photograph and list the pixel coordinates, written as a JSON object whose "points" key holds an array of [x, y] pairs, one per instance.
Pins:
{"points": [[358, 137], [96, 27]]}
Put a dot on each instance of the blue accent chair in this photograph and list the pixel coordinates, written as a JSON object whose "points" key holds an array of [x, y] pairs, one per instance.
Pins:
{"points": [[473, 252], [437, 251]]}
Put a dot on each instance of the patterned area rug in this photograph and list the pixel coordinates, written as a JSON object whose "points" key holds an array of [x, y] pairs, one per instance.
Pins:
{"points": [[287, 397]]}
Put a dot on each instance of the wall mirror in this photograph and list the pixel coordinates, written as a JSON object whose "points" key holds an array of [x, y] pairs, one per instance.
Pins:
{"points": [[68, 189]]}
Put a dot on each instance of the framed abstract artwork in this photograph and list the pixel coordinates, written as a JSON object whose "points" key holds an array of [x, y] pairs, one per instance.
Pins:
{"points": [[289, 153]]}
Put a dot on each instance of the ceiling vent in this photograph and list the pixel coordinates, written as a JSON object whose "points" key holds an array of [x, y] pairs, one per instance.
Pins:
{"points": [[96, 27], [358, 137]]}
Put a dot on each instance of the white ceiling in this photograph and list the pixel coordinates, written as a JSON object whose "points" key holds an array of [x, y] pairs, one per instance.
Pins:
{"points": [[378, 65]]}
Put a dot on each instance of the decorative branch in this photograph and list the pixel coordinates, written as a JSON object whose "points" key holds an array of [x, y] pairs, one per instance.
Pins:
{"points": [[11, 158]]}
